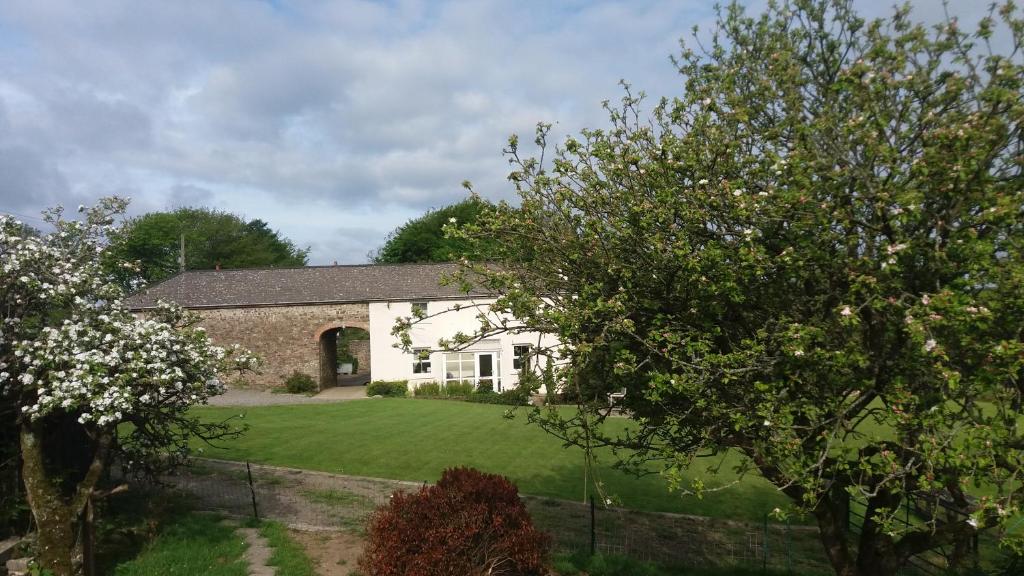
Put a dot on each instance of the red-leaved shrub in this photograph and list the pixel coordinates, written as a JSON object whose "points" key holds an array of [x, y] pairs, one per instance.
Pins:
{"points": [[468, 524]]}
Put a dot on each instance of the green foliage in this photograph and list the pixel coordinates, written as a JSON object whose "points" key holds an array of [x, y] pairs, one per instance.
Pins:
{"points": [[813, 256], [423, 239], [465, 390], [446, 389], [460, 388], [513, 397], [429, 390], [212, 237], [394, 389], [300, 383]]}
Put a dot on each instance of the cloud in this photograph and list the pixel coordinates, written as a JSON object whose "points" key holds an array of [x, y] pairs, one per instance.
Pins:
{"points": [[312, 115], [28, 180], [189, 195]]}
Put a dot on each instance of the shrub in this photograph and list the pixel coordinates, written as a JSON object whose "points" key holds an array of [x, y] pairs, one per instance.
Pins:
{"points": [[394, 388], [461, 388], [299, 383], [470, 523], [428, 389], [513, 397]]}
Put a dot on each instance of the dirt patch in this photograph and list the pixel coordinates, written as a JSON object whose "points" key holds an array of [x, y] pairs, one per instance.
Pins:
{"points": [[332, 553]]}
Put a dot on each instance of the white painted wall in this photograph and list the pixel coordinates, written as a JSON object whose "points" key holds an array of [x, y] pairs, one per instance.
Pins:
{"points": [[390, 363]]}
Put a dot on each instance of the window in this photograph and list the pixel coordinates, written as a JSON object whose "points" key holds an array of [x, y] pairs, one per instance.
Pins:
{"points": [[419, 306], [520, 356], [421, 361], [459, 366]]}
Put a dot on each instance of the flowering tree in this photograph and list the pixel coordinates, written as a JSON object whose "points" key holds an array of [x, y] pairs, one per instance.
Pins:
{"points": [[89, 380], [814, 258]]}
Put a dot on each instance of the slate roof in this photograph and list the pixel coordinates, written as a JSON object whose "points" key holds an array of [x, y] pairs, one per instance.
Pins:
{"points": [[306, 285]]}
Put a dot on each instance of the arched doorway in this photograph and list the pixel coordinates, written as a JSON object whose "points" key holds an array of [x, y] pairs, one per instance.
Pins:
{"points": [[343, 346], [329, 358]]}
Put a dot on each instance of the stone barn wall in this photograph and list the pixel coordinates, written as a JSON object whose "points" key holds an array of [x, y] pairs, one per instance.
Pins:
{"points": [[286, 337]]}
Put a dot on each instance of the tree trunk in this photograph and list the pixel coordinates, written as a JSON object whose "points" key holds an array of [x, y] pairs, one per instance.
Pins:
{"points": [[876, 552], [59, 545], [59, 516], [832, 527]]}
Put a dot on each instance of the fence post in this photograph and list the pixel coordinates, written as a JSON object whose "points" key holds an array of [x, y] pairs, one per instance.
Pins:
{"points": [[593, 527], [844, 502], [252, 491], [764, 546], [789, 547]]}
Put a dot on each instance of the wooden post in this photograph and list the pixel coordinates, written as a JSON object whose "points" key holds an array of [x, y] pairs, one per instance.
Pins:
{"points": [[252, 491], [593, 527]]}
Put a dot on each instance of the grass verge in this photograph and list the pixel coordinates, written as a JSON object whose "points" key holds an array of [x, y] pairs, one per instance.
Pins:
{"points": [[583, 564], [289, 559], [192, 544]]}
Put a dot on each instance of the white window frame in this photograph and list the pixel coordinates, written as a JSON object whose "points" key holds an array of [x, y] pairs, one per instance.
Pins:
{"points": [[475, 376], [421, 304], [421, 362], [518, 358]]}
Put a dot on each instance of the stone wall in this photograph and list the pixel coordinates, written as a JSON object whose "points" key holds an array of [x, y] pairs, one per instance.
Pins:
{"points": [[360, 349], [286, 337]]}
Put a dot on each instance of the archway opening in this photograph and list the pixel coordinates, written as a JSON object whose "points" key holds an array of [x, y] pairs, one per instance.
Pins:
{"points": [[353, 358], [329, 358], [344, 356]]}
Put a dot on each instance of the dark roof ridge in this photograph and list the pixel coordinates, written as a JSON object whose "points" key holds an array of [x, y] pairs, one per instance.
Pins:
{"points": [[239, 287], [367, 265]]}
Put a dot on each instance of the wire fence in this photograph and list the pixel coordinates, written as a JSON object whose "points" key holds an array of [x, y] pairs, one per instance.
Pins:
{"points": [[315, 501], [320, 501]]}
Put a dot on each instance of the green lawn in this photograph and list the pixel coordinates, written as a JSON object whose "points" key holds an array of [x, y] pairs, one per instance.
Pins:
{"points": [[416, 440]]}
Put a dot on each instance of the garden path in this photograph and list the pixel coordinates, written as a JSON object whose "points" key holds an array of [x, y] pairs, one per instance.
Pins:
{"points": [[258, 552], [238, 397]]}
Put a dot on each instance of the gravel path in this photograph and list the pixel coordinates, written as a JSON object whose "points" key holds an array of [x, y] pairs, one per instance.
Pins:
{"points": [[263, 398]]}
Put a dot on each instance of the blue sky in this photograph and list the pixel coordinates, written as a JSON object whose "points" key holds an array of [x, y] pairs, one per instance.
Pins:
{"points": [[333, 121]]}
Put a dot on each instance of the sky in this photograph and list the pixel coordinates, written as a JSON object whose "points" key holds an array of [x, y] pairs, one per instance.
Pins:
{"points": [[333, 121]]}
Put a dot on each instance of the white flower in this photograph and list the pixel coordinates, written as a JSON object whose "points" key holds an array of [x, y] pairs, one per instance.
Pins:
{"points": [[453, 219], [926, 300], [702, 181], [930, 345], [798, 352], [737, 192], [973, 522], [846, 311]]}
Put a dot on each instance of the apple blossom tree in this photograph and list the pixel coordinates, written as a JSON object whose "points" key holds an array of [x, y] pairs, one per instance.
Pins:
{"points": [[813, 257], [91, 383]]}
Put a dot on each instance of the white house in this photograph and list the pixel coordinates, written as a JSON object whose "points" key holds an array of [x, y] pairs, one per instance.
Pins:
{"points": [[496, 360], [292, 318]]}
